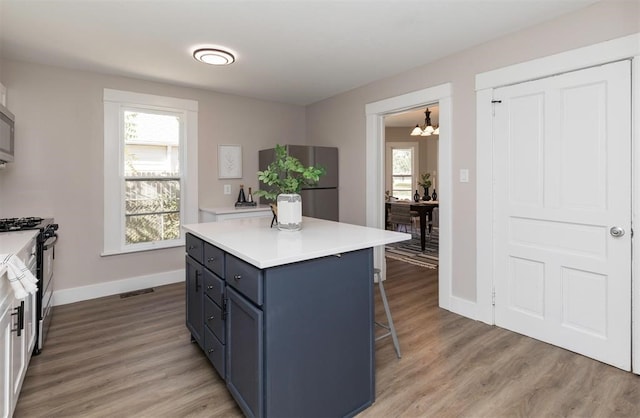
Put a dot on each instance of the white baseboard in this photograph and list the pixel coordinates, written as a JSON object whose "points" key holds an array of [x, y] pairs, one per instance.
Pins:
{"points": [[463, 307], [77, 294]]}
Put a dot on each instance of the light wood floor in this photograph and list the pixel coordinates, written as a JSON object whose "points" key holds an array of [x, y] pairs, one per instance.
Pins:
{"points": [[132, 357]]}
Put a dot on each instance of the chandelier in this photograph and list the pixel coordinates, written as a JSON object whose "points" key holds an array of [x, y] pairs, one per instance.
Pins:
{"points": [[427, 129]]}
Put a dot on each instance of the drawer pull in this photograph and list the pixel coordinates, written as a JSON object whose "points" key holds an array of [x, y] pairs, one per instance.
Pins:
{"points": [[211, 318], [210, 260], [211, 350], [237, 277], [209, 287], [191, 247]]}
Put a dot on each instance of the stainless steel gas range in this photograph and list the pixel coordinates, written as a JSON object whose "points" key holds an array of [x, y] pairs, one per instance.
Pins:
{"points": [[45, 256]]}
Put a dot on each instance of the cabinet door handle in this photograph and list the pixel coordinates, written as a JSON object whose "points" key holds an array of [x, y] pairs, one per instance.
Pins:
{"points": [[237, 277], [211, 318], [197, 281], [211, 350], [19, 311], [209, 287], [191, 247], [21, 315], [210, 260], [17, 329]]}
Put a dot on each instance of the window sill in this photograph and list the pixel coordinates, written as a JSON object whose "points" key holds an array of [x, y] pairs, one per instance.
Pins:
{"points": [[150, 247]]}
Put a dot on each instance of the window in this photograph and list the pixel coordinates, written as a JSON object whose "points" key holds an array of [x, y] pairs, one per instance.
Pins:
{"points": [[401, 173], [402, 169], [150, 171]]}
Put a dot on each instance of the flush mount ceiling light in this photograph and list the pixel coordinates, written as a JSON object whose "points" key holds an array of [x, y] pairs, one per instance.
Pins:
{"points": [[426, 129], [214, 56]]}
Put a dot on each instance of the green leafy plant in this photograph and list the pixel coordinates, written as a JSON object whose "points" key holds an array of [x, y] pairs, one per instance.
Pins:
{"points": [[425, 180], [287, 175]]}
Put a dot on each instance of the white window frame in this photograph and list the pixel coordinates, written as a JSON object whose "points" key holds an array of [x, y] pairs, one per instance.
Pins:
{"points": [[415, 169], [115, 101]]}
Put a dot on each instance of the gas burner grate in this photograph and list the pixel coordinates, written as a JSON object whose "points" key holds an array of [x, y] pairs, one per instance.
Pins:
{"points": [[17, 224]]}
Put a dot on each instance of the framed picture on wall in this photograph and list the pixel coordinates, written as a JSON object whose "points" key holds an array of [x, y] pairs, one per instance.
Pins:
{"points": [[229, 162]]}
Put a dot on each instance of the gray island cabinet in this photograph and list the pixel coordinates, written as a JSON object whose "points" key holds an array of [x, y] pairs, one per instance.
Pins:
{"points": [[286, 318]]}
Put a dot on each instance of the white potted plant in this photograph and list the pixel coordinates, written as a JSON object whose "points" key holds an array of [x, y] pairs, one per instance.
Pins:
{"points": [[284, 178]]}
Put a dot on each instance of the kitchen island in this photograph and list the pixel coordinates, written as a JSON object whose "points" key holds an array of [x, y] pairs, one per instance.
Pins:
{"points": [[286, 318]]}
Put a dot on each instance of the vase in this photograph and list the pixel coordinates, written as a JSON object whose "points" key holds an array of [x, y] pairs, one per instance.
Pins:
{"points": [[289, 212], [416, 197], [426, 196], [434, 195]]}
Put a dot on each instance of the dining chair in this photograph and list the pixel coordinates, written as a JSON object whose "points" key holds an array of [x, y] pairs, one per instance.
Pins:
{"points": [[400, 215], [435, 221]]}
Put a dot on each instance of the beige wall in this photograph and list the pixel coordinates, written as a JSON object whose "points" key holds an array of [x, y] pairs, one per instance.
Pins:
{"points": [[58, 168], [340, 120]]}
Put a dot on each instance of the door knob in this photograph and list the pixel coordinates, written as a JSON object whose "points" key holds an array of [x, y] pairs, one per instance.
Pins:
{"points": [[616, 231]]}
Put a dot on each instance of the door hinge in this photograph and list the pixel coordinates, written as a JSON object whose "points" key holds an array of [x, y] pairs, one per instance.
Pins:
{"points": [[493, 296]]}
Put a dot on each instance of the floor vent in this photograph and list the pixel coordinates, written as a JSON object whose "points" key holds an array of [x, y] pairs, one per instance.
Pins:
{"points": [[135, 293]]}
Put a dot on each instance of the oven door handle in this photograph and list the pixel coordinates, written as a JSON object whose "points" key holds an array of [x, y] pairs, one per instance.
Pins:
{"points": [[50, 242]]}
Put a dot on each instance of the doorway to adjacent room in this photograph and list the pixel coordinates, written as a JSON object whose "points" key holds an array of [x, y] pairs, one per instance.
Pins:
{"points": [[375, 152]]}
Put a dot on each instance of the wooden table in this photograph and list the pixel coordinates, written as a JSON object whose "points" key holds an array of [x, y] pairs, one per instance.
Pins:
{"points": [[425, 212]]}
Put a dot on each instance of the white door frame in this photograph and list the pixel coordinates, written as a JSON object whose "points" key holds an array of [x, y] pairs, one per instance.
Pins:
{"points": [[375, 149], [627, 47]]}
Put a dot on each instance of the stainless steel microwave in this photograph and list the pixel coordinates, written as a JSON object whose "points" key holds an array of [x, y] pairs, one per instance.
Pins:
{"points": [[7, 137]]}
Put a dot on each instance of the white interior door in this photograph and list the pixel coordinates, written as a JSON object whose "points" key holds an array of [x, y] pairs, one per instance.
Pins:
{"points": [[562, 180]]}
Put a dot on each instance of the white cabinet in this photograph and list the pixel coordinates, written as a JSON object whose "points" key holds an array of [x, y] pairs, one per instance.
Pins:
{"points": [[15, 350], [6, 307], [17, 333], [21, 342], [18, 351]]}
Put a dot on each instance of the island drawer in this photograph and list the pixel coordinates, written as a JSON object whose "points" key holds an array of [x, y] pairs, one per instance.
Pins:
{"points": [[213, 318], [195, 247], [214, 259], [213, 286], [245, 278], [214, 350]]}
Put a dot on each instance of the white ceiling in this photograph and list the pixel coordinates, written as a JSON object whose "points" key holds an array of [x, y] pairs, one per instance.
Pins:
{"points": [[293, 51]]}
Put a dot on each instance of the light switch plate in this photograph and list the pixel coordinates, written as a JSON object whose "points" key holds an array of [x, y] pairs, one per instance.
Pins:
{"points": [[464, 175], [227, 189]]}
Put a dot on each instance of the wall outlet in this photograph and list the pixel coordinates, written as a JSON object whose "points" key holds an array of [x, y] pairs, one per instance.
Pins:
{"points": [[227, 189]]}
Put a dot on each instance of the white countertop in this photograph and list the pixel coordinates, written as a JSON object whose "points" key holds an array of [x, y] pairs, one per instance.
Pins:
{"points": [[233, 209], [14, 242], [253, 241]]}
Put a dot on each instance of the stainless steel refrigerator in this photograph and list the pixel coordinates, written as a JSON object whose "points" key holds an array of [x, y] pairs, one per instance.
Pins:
{"points": [[320, 201]]}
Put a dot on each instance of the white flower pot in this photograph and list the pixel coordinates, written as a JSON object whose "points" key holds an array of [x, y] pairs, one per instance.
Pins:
{"points": [[289, 212]]}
